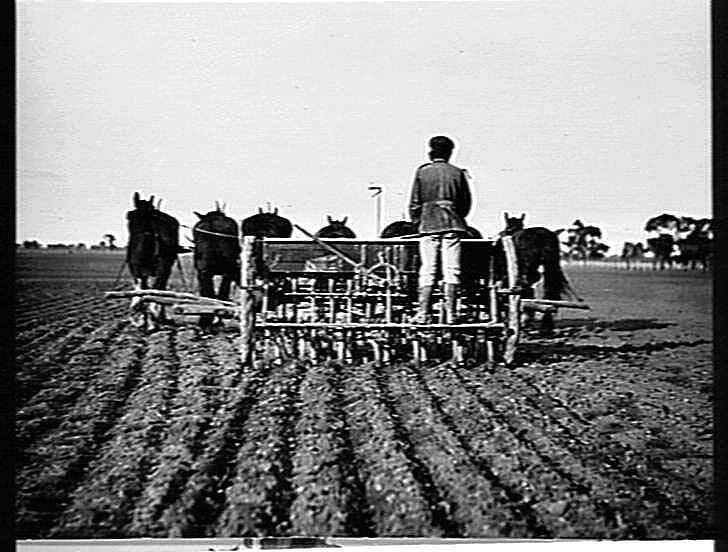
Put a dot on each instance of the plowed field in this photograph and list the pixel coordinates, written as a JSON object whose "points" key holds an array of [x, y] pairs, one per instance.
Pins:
{"points": [[603, 431]]}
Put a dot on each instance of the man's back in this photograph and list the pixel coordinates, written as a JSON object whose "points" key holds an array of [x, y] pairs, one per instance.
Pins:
{"points": [[440, 180]]}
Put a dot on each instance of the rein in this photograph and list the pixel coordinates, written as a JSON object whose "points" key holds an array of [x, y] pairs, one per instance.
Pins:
{"points": [[209, 232]]}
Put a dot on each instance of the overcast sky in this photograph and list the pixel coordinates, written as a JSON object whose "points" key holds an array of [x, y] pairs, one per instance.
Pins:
{"points": [[562, 109]]}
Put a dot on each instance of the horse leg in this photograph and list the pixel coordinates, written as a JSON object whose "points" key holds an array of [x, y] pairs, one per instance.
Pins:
{"points": [[547, 323], [207, 289], [156, 310], [138, 307], [527, 292], [554, 283], [223, 293]]}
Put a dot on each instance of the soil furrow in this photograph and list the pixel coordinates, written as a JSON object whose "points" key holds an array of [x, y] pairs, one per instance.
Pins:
{"points": [[494, 450], [30, 322], [57, 342], [259, 495], [199, 502], [328, 496], [479, 508], [59, 462], [192, 414], [397, 501], [50, 396], [101, 506], [590, 495], [633, 472]]}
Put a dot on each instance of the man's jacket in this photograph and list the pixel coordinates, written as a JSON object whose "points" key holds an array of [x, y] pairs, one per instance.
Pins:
{"points": [[440, 198]]}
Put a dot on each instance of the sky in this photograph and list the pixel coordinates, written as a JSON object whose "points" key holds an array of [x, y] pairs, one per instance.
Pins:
{"points": [[597, 110]]}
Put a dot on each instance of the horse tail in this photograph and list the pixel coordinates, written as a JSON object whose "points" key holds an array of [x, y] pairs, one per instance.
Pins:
{"points": [[555, 283], [554, 280]]}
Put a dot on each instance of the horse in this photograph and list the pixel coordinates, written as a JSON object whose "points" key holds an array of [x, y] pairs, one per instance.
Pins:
{"points": [[536, 247], [632, 252], [267, 225], [152, 250], [217, 253], [335, 229], [399, 228], [662, 247]]}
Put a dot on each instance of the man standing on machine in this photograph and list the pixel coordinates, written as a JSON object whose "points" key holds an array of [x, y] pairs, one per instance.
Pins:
{"points": [[439, 203]]}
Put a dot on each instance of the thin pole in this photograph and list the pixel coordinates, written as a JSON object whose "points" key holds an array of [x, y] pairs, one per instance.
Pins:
{"points": [[378, 195]]}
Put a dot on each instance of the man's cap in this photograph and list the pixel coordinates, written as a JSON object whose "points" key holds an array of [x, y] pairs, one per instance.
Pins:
{"points": [[441, 143]]}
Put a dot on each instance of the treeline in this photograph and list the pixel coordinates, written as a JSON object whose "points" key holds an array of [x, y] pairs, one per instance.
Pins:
{"points": [[108, 243], [683, 240]]}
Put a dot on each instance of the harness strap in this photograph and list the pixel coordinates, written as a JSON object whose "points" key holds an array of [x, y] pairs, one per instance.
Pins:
{"points": [[209, 232]]}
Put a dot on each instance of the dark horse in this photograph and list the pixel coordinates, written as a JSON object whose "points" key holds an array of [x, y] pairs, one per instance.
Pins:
{"points": [[336, 229], [536, 248], [267, 225], [151, 252], [217, 253]]}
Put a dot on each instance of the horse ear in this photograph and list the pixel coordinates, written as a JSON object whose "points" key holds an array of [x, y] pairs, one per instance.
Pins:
{"points": [[505, 216], [223, 206], [260, 210], [523, 217], [159, 203], [275, 211], [343, 221], [136, 199], [151, 200], [198, 214]]}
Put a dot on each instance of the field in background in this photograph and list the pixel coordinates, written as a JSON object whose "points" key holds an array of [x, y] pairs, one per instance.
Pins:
{"points": [[603, 431]]}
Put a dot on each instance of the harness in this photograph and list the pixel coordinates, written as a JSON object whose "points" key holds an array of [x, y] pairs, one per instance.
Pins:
{"points": [[203, 231]]}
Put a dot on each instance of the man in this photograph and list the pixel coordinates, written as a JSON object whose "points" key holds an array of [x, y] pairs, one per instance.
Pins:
{"points": [[439, 203]]}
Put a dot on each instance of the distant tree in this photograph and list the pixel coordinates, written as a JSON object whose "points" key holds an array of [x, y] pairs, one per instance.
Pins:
{"points": [[663, 224], [31, 244], [583, 242], [695, 242], [80, 245], [110, 239], [597, 250]]}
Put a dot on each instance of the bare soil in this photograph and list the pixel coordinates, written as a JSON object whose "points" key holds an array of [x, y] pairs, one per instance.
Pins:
{"points": [[603, 430]]}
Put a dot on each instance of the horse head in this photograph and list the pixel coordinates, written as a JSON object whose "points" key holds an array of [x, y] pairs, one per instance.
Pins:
{"points": [[144, 205], [513, 224], [267, 225], [144, 218], [336, 229], [218, 212]]}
